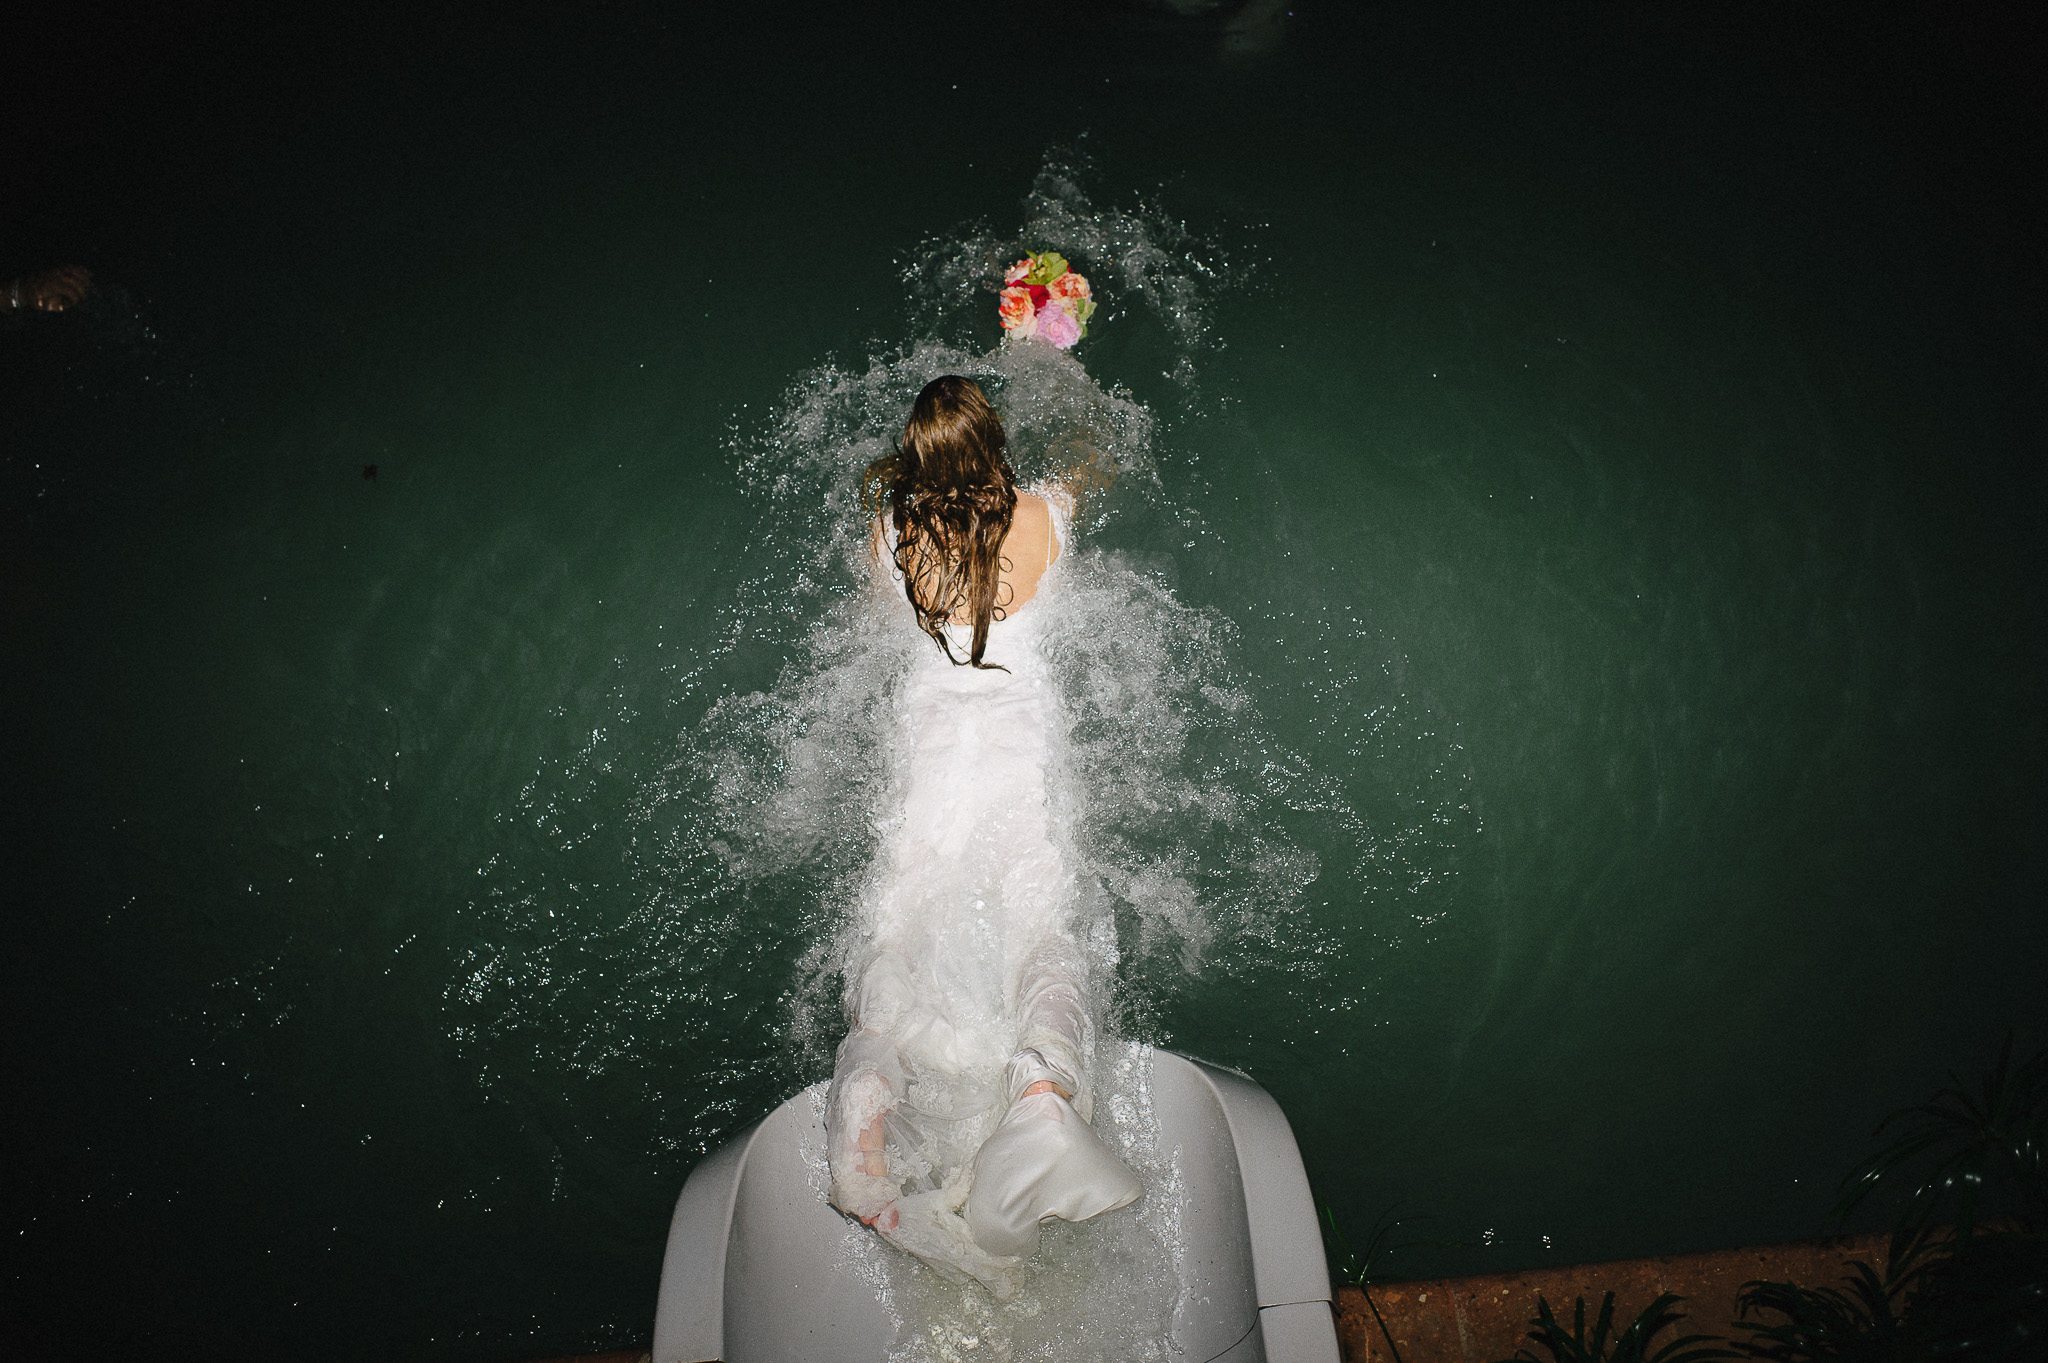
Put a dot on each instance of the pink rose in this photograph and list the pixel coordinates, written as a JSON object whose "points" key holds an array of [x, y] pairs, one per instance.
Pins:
{"points": [[1057, 326], [1017, 271], [1070, 285], [1020, 319]]}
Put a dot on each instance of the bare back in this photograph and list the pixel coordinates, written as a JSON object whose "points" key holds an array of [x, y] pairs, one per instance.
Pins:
{"points": [[1031, 546], [1029, 549]]}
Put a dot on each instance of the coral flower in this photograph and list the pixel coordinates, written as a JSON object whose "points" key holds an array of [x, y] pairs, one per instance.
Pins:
{"points": [[1017, 271], [1069, 285], [1019, 317]]}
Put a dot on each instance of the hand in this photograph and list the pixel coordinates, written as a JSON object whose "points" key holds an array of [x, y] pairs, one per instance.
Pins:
{"points": [[56, 290], [873, 1160]]}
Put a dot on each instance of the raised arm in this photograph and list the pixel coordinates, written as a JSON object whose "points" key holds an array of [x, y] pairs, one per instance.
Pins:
{"points": [[875, 482], [1085, 472]]}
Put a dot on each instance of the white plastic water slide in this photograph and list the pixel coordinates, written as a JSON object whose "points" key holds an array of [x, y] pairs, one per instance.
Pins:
{"points": [[757, 1268]]}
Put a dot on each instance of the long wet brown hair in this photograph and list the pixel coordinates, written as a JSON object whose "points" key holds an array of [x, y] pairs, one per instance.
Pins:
{"points": [[952, 500]]}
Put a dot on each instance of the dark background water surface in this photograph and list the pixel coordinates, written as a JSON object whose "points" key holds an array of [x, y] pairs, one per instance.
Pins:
{"points": [[1629, 418]]}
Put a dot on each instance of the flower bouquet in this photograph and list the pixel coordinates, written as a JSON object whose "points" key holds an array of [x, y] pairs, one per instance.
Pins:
{"points": [[1043, 297]]}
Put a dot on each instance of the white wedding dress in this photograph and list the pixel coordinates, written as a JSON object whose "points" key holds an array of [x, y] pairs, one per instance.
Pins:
{"points": [[969, 981]]}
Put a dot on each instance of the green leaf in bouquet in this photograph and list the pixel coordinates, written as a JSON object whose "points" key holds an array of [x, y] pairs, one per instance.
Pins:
{"points": [[1046, 266]]}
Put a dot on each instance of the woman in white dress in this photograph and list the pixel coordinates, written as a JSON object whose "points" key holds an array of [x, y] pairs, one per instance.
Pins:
{"points": [[959, 1112]]}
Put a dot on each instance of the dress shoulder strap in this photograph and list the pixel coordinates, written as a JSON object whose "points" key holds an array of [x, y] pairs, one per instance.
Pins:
{"points": [[1059, 509]]}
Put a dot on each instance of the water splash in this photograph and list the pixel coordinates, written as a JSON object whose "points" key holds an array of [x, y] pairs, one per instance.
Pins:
{"points": [[716, 985]]}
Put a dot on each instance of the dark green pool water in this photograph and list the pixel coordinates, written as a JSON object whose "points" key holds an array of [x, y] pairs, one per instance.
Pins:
{"points": [[1614, 440]]}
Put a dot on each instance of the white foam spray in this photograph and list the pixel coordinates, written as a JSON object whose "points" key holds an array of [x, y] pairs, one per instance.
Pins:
{"points": [[1165, 780], [749, 847]]}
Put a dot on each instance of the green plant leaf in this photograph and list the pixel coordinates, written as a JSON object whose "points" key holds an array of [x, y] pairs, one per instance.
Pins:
{"points": [[1632, 1345], [1961, 1151], [1824, 1323]]}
